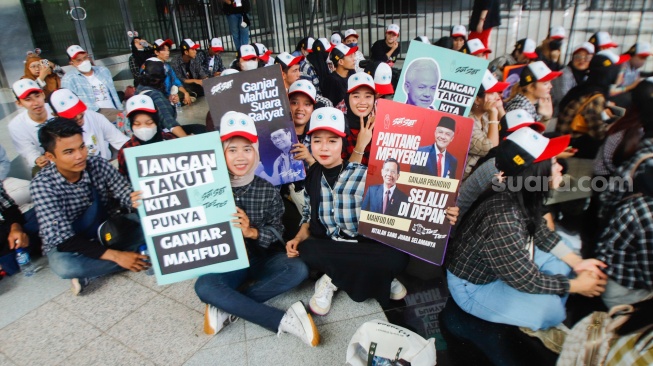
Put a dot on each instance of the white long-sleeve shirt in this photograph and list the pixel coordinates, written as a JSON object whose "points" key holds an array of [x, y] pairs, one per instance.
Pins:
{"points": [[24, 134], [99, 133]]}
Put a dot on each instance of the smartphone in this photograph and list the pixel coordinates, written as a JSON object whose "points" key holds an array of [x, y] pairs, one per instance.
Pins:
{"points": [[617, 111], [45, 63]]}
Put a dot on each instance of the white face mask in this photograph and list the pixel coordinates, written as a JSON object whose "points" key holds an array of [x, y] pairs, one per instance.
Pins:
{"points": [[85, 66], [249, 65], [145, 133]]}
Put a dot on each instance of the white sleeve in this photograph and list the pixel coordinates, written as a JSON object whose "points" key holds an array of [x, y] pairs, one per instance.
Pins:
{"points": [[24, 144], [111, 133]]}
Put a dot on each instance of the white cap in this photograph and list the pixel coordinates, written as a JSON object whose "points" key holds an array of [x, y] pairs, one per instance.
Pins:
{"points": [[459, 31], [237, 124], [188, 44], [642, 49], [262, 50], [74, 50], [287, 59], [527, 47], [477, 47], [540, 72], [557, 32], [329, 119], [303, 86], [585, 46], [247, 52], [66, 103], [491, 84], [226, 72], [616, 59], [518, 118], [538, 146], [351, 33], [359, 79], [309, 44], [336, 39], [383, 79], [603, 39], [159, 42], [23, 87], [326, 43], [393, 28], [139, 102], [216, 45], [424, 39]]}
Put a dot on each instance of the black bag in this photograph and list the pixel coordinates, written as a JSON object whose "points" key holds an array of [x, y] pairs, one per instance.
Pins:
{"points": [[121, 231]]}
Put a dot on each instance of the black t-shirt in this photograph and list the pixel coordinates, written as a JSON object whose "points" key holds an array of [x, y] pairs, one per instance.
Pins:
{"points": [[493, 17], [334, 87], [380, 49]]}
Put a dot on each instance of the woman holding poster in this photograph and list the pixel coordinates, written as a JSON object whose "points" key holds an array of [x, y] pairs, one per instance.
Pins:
{"points": [[259, 211], [360, 102]]}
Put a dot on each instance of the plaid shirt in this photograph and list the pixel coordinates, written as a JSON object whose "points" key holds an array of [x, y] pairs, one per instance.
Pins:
{"points": [[493, 245], [308, 73], [9, 211], [205, 60], [340, 208], [626, 244], [122, 164], [167, 113], [264, 208], [521, 102], [591, 113], [480, 144], [195, 69], [59, 203], [78, 84], [474, 186]]}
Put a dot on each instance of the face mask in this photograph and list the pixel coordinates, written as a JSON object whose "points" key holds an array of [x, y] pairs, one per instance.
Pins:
{"points": [[145, 133], [84, 66], [249, 65], [352, 45]]}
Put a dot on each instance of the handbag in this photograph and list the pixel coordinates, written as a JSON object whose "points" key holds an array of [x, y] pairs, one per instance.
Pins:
{"points": [[379, 343], [578, 124]]}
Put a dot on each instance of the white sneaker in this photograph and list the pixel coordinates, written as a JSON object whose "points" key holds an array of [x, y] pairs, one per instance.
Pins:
{"points": [[78, 285], [216, 319], [299, 323], [320, 302], [397, 290]]}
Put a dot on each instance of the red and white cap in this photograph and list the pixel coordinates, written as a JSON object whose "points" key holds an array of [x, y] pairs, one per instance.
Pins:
{"points": [[642, 49], [74, 50], [304, 87], [383, 79], [247, 52], [602, 39], [287, 59], [226, 72], [585, 46], [336, 39], [393, 28], [188, 44], [459, 31], [537, 146], [614, 58], [476, 47], [351, 33], [527, 47], [160, 42], [262, 50], [340, 51], [358, 80], [23, 87], [139, 102], [309, 44], [66, 103], [326, 43], [518, 118], [491, 84], [537, 71], [557, 32], [216, 45], [237, 124], [328, 119]]}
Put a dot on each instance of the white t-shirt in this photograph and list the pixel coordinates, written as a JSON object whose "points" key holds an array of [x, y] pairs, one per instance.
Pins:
{"points": [[101, 92], [24, 134], [99, 133]]}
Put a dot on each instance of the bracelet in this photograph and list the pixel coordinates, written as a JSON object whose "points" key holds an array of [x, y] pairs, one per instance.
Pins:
{"points": [[359, 153], [493, 122]]}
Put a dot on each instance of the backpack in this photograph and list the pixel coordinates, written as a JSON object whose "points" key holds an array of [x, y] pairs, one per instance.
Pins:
{"points": [[578, 124]]}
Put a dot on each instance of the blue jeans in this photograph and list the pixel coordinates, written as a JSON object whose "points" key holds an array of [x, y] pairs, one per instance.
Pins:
{"points": [[274, 275], [238, 33], [498, 302], [76, 265]]}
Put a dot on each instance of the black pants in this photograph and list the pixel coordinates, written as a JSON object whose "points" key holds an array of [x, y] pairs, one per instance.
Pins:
{"points": [[194, 89]]}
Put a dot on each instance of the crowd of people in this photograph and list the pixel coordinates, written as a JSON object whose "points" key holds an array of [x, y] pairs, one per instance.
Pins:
{"points": [[506, 261]]}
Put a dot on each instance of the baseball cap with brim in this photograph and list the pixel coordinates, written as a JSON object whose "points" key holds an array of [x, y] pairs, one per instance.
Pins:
{"points": [[246, 52], [525, 147], [557, 32], [340, 51], [229, 72], [358, 80], [459, 31], [24, 87], [518, 118], [304, 87], [160, 43], [328, 119], [261, 50], [287, 59], [188, 44], [66, 103], [351, 33], [322, 44], [585, 46], [216, 45], [309, 44], [602, 39], [476, 47], [491, 84], [139, 103], [423, 39], [614, 58], [383, 79], [527, 47], [393, 28], [336, 39], [537, 71], [234, 124], [74, 50], [642, 49]]}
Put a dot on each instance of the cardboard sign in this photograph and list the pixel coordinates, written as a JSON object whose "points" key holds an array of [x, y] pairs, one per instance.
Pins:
{"points": [[261, 94], [429, 149], [441, 79], [187, 207]]}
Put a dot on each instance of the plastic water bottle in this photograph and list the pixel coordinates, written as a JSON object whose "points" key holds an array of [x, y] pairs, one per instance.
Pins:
{"points": [[178, 108], [26, 266], [174, 90], [143, 251]]}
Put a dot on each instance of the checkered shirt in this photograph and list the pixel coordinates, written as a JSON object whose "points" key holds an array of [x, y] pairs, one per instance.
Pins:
{"points": [[195, 68], [166, 112], [521, 102], [308, 73], [7, 206], [340, 208], [264, 208], [59, 203], [591, 113], [75, 81]]}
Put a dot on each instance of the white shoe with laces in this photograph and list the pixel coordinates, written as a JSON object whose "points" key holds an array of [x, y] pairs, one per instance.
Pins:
{"points": [[215, 319], [299, 323], [320, 302], [78, 285], [397, 290]]}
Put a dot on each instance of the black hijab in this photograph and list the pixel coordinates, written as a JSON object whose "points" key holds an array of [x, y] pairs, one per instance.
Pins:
{"points": [[140, 55], [318, 59], [599, 79], [159, 131]]}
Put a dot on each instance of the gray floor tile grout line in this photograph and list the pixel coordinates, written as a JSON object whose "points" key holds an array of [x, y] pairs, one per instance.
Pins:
{"points": [[62, 362]]}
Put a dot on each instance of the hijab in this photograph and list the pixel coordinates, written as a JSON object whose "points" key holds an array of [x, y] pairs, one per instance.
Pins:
{"points": [[159, 130], [243, 180], [599, 79], [140, 55], [318, 59], [52, 81]]}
